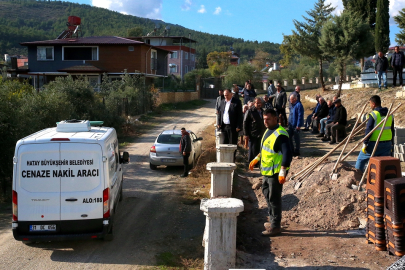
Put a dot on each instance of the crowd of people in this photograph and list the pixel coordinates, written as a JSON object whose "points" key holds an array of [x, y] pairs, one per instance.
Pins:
{"points": [[272, 141]]}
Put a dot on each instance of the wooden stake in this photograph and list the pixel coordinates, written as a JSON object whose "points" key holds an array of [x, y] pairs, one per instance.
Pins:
{"points": [[347, 141]]}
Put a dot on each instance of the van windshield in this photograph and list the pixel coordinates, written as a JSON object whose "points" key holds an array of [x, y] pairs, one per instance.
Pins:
{"points": [[169, 138]]}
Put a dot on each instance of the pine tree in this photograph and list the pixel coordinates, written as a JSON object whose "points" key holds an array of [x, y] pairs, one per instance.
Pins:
{"points": [[382, 26], [305, 39], [344, 38], [400, 20], [365, 8]]}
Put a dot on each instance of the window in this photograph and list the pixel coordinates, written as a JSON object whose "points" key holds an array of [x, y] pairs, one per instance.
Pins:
{"points": [[192, 57], [153, 56], [186, 55], [174, 55], [131, 48], [169, 138], [186, 69], [45, 53], [172, 68], [80, 53]]}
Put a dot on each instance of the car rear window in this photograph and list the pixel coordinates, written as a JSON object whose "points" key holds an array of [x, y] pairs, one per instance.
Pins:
{"points": [[169, 138]]}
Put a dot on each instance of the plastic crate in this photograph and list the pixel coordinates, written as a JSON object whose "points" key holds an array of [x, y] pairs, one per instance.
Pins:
{"points": [[380, 169], [394, 199]]}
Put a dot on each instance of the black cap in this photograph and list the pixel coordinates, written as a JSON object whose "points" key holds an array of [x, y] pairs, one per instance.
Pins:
{"points": [[337, 101]]}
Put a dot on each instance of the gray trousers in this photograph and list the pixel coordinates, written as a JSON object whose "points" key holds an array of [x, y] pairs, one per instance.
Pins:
{"points": [[272, 190]]}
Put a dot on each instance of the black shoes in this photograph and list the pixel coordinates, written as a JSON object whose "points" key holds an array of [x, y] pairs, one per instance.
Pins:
{"points": [[326, 139], [296, 154], [332, 142], [321, 135], [315, 132], [183, 175]]}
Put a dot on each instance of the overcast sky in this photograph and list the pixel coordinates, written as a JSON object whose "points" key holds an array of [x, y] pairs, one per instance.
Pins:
{"points": [[262, 20]]}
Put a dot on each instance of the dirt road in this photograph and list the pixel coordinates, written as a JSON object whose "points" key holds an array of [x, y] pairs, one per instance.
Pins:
{"points": [[151, 225]]}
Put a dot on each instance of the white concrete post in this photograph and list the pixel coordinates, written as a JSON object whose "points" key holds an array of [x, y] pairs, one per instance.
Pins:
{"points": [[275, 83], [285, 83], [220, 237], [303, 80], [221, 178], [226, 152], [294, 81], [218, 137]]}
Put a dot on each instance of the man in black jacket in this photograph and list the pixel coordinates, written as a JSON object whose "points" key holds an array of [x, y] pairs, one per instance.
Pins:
{"points": [[338, 124], [185, 150], [280, 101], [230, 118], [253, 128], [219, 99], [381, 66], [397, 63], [322, 113]]}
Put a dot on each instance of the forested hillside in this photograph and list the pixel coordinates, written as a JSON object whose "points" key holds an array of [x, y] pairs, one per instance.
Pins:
{"points": [[31, 20]]}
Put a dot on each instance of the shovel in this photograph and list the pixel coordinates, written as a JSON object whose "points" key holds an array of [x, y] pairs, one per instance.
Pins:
{"points": [[334, 175]]}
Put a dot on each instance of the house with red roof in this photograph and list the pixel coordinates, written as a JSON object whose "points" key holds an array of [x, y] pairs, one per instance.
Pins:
{"points": [[93, 57]]}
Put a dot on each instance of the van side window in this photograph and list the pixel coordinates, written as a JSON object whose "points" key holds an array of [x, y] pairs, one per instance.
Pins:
{"points": [[116, 160]]}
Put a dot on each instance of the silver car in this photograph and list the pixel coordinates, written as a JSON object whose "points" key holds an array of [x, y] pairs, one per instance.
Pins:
{"points": [[166, 149]]}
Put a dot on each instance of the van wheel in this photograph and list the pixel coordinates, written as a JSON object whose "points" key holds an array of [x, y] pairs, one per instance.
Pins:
{"points": [[121, 191], [152, 167], [28, 243], [110, 235]]}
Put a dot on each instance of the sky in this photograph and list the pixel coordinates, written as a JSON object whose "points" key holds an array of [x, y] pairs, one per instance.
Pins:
{"points": [[261, 20]]}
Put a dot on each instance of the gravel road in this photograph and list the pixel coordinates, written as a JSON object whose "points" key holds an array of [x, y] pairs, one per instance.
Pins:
{"points": [[150, 220]]}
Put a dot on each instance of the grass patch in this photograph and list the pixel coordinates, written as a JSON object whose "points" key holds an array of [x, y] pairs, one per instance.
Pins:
{"points": [[199, 182], [170, 261]]}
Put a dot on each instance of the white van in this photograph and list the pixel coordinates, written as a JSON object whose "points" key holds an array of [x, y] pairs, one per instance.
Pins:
{"points": [[67, 182]]}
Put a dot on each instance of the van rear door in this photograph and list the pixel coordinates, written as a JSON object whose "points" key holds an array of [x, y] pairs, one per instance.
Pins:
{"points": [[37, 186], [81, 181]]}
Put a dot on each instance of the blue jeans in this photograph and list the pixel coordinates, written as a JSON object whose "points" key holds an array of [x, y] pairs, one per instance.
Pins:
{"points": [[323, 124], [294, 133], [383, 149], [383, 75]]}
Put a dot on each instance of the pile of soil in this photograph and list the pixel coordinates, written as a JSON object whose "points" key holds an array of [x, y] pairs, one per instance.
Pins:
{"points": [[321, 203]]}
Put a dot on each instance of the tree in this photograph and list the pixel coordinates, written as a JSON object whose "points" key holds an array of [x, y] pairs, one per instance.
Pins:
{"points": [[305, 39], [239, 75], [202, 59], [343, 38], [136, 31], [365, 8], [218, 62], [400, 20], [382, 26], [260, 59], [287, 51]]}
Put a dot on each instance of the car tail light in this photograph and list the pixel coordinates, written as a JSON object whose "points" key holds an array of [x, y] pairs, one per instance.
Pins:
{"points": [[15, 206], [106, 203], [153, 149]]}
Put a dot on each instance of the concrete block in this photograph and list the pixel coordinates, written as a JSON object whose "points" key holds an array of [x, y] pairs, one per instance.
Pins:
{"points": [[400, 132], [396, 149], [226, 153], [220, 235], [401, 148], [219, 137], [221, 178], [399, 140]]}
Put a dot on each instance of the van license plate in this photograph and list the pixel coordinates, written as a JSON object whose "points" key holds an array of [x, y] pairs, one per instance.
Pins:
{"points": [[168, 160], [34, 228]]}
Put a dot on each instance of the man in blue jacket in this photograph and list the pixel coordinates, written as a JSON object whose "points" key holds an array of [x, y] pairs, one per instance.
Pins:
{"points": [[397, 63], [295, 122], [248, 94]]}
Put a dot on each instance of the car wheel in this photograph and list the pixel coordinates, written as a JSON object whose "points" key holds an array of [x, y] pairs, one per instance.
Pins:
{"points": [[121, 196], [28, 243], [110, 235], [152, 167]]}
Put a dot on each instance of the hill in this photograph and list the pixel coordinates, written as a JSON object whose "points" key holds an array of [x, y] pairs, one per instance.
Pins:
{"points": [[31, 20]]}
